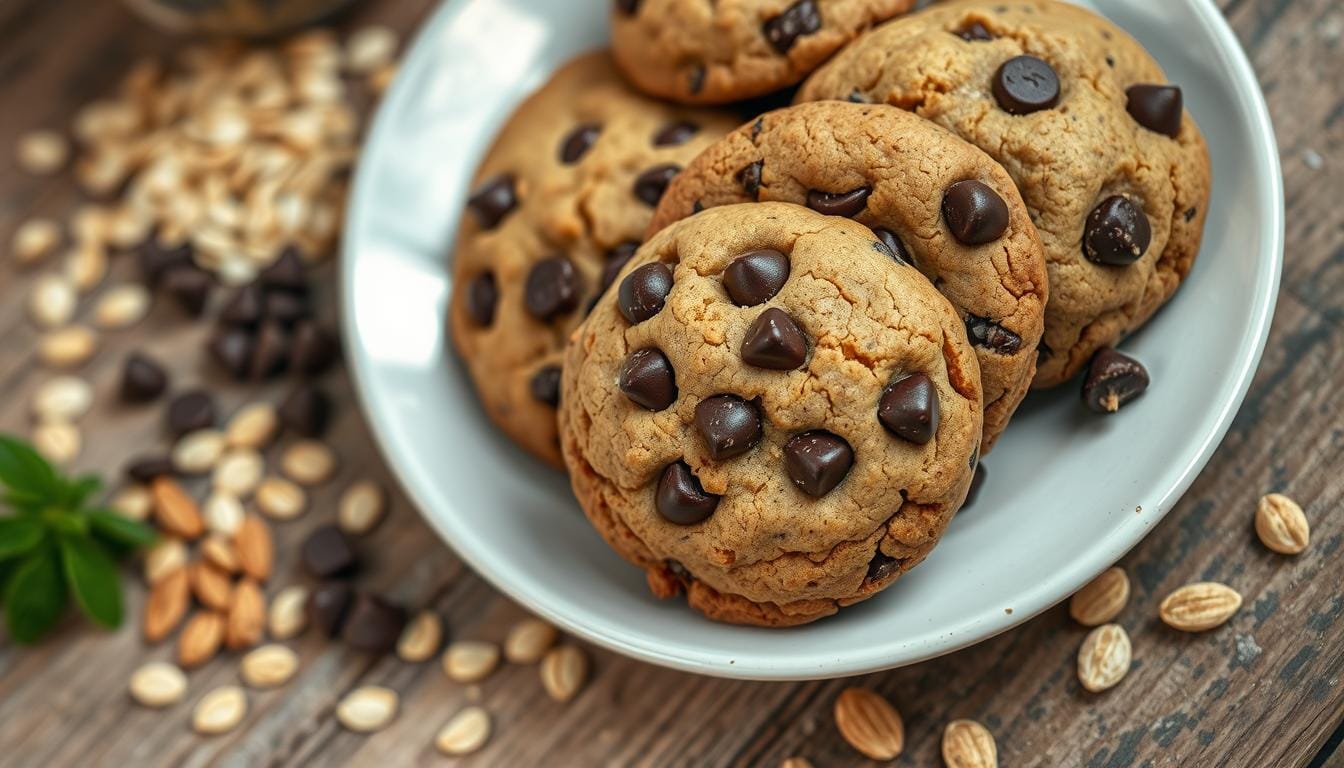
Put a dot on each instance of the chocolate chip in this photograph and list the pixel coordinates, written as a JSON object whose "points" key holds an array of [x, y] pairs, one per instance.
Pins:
{"points": [[881, 566], [142, 379], [750, 179], [1113, 379], [493, 200], [855, 97], [232, 349], [306, 410], [286, 273], [974, 32], [545, 385], [984, 332], [189, 285], [757, 126], [775, 341], [270, 352], [628, 7], [552, 288], [648, 380], [146, 468], [730, 425], [1190, 214], [617, 258], [974, 212], [1025, 84], [695, 79], [908, 408], [755, 277], [313, 349], [977, 481], [846, 204], [155, 259], [578, 142], [675, 134], [680, 498], [327, 552], [651, 184], [189, 412], [798, 20], [1117, 232], [482, 295], [1156, 107], [644, 291], [374, 624], [817, 461], [328, 605], [285, 307], [697, 206], [245, 306], [895, 248]]}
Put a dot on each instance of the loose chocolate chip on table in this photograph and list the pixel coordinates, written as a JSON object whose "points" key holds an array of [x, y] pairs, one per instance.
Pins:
{"points": [[313, 349], [974, 32], [245, 306], [190, 411], [1025, 84], [881, 566], [328, 605], [1113, 379], [617, 258], [644, 291], [374, 624], [750, 179], [984, 332], [974, 212], [155, 259], [232, 349], [680, 498], [977, 481], [306, 410], [1117, 232], [545, 385], [286, 273], [189, 285], [285, 307], [648, 380], [482, 295], [847, 204], [651, 184], [578, 142], [730, 425], [493, 200], [552, 288], [327, 552], [675, 133], [800, 19], [755, 277], [142, 379], [1156, 107], [908, 408], [775, 341], [146, 468], [895, 247], [270, 352], [628, 7], [817, 461]]}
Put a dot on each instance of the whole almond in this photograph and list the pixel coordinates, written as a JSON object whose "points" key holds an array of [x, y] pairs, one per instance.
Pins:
{"points": [[121, 306], [62, 398], [197, 452], [465, 733], [238, 472], [223, 513], [247, 616], [420, 640], [367, 709], [308, 462], [289, 612], [158, 684], [968, 744], [1199, 606], [529, 640], [1101, 599], [361, 508], [200, 639], [268, 666], [280, 499], [217, 550], [133, 503], [164, 557], [58, 442], [168, 600], [869, 723], [86, 266], [53, 301], [176, 512], [1104, 658], [470, 661], [253, 426], [256, 551], [564, 670], [1281, 524], [68, 347], [219, 711], [211, 586]]}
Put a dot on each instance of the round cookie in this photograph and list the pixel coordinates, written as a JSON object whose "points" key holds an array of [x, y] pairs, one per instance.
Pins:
{"points": [[943, 204], [1115, 173], [700, 52], [559, 203], [770, 413]]}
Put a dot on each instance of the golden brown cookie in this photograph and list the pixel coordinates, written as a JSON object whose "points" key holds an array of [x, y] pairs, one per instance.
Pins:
{"points": [[770, 412], [559, 203], [1115, 173], [940, 202], [700, 52]]}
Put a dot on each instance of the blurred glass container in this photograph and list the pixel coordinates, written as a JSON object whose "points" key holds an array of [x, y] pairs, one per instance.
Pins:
{"points": [[248, 18]]}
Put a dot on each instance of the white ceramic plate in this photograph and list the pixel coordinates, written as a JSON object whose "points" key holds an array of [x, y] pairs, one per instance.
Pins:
{"points": [[1067, 494]]}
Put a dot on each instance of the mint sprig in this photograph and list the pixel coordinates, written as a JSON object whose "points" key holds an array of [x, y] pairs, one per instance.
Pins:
{"points": [[53, 545]]}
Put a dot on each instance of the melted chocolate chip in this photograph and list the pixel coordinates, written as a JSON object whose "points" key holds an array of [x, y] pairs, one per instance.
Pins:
{"points": [[680, 498], [1113, 379], [755, 277], [156, 259], [493, 200], [750, 179], [651, 184], [545, 385], [482, 295], [908, 408], [893, 245], [648, 380], [846, 204], [817, 461], [578, 142], [1156, 107], [730, 425], [552, 288], [1025, 84], [798, 20], [675, 134], [644, 291], [775, 342], [974, 212], [1117, 232], [984, 332], [881, 566]]}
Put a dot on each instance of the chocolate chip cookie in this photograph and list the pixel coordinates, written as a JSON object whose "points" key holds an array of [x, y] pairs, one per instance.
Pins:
{"points": [[558, 205], [1114, 171], [771, 413], [934, 200], [701, 52]]}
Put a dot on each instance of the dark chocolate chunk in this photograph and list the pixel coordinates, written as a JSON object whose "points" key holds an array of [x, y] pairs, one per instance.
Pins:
{"points": [[984, 332], [648, 380], [1117, 232], [750, 179], [1156, 107], [617, 258], [145, 469], [651, 184], [680, 498], [881, 566], [245, 306], [232, 349], [798, 20], [374, 624], [552, 288], [974, 212], [189, 412], [493, 200], [755, 277], [156, 259], [482, 295], [189, 285], [327, 552], [313, 349], [142, 379], [328, 605], [817, 461], [1113, 379], [285, 307], [628, 7], [644, 291], [545, 385], [674, 134], [270, 352], [848, 204], [974, 32], [730, 425], [894, 245], [1025, 84], [775, 341], [306, 410], [578, 142], [908, 408], [286, 273]]}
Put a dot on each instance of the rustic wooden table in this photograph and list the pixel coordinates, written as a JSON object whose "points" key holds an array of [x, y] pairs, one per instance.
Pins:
{"points": [[1265, 690]]}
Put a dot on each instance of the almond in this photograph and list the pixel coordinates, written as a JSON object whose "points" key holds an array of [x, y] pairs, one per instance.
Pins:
{"points": [[133, 503], [308, 462], [1199, 606], [564, 670], [420, 640], [158, 684], [59, 442], [1281, 525], [211, 586], [269, 666], [219, 711], [253, 426], [68, 347], [176, 512], [465, 733], [361, 508], [367, 709], [280, 499], [218, 552], [470, 661], [289, 612], [168, 600], [529, 640], [167, 555], [869, 723], [52, 301], [200, 639], [1104, 658], [238, 472], [247, 616], [968, 744], [256, 552], [62, 398], [223, 513], [1101, 599], [121, 306], [199, 451], [34, 239]]}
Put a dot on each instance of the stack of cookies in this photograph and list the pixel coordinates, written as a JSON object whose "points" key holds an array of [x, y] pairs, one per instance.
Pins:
{"points": [[771, 354]]}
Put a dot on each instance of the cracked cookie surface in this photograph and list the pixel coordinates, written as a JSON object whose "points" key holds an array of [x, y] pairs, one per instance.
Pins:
{"points": [[558, 204], [948, 207], [1115, 173], [701, 52], [770, 413]]}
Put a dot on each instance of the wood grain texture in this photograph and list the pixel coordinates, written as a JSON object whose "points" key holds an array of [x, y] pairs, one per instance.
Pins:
{"points": [[1265, 690]]}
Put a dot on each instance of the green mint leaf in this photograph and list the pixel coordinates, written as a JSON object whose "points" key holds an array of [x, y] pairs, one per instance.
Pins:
{"points": [[35, 596], [25, 473], [110, 526], [19, 535], [76, 491], [93, 579]]}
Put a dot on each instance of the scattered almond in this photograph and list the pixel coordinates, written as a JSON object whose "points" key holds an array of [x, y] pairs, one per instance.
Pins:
{"points": [[367, 709], [465, 733], [269, 666], [211, 586], [420, 640], [133, 502], [1101, 599], [223, 513], [62, 398], [175, 510], [158, 684], [34, 239], [1104, 658], [253, 426], [968, 744], [169, 598], [281, 499], [52, 301], [42, 153], [869, 723], [469, 661], [86, 266], [361, 507], [1199, 606], [247, 616], [308, 462], [200, 639], [68, 347], [564, 670], [238, 471], [199, 451], [163, 557], [219, 711], [256, 551], [529, 640], [217, 550], [121, 306], [58, 441], [288, 615], [1281, 524]]}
